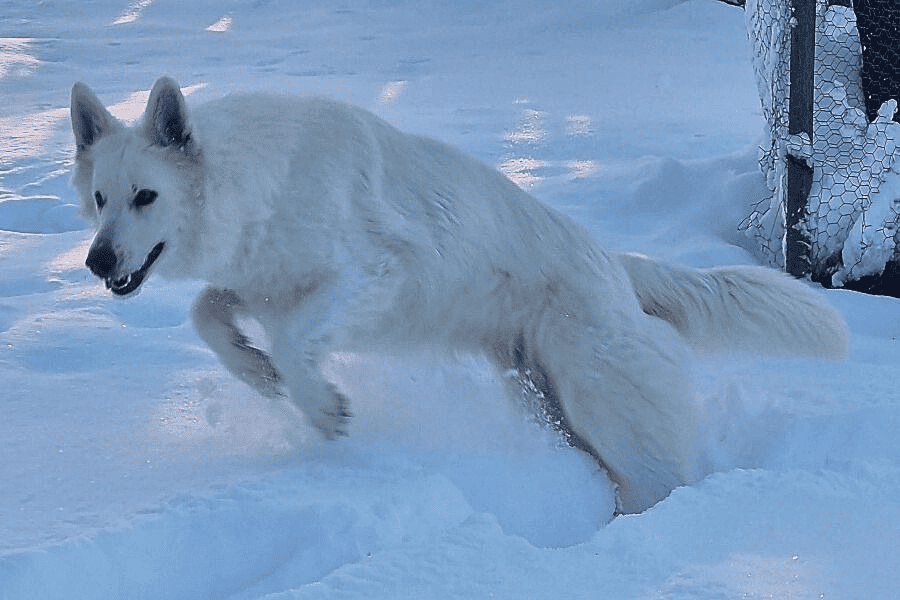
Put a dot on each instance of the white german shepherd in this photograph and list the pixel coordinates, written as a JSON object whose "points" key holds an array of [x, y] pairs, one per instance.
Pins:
{"points": [[336, 231]]}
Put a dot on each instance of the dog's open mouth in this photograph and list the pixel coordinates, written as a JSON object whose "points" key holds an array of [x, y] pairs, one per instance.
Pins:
{"points": [[127, 284]]}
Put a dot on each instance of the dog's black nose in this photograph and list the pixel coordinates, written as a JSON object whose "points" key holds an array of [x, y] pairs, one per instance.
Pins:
{"points": [[101, 260]]}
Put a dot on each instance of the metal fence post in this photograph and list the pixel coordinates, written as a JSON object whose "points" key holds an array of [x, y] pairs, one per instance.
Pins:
{"points": [[800, 123]]}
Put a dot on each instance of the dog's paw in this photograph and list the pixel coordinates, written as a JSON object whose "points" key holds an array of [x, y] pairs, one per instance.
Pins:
{"points": [[258, 372], [333, 418]]}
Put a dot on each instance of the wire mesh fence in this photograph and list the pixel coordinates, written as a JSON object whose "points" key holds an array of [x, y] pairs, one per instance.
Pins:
{"points": [[849, 228]]}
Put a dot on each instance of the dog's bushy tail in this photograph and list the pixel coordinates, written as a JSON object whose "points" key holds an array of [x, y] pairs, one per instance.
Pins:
{"points": [[745, 309]]}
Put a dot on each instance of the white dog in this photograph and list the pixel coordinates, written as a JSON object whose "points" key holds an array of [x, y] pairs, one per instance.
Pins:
{"points": [[336, 231]]}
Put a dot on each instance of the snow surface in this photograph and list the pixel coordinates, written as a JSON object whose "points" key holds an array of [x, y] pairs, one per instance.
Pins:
{"points": [[134, 466]]}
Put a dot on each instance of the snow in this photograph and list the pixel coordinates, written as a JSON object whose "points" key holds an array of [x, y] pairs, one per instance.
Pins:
{"points": [[134, 466]]}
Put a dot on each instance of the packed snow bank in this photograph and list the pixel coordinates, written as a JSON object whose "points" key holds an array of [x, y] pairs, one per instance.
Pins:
{"points": [[795, 530], [246, 540], [419, 464], [39, 215]]}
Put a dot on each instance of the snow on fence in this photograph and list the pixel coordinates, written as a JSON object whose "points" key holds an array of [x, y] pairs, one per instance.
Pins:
{"points": [[835, 217]]}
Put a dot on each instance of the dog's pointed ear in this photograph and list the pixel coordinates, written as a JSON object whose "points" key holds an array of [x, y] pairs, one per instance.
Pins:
{"points": [[90, 119], [166, 119]]}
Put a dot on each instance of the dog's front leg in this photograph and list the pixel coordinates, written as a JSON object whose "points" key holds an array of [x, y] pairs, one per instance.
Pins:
{"points": [[299, 343], [213, 314]]}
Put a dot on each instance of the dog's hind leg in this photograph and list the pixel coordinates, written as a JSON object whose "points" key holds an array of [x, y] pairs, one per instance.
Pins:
{"points": [[538, 391], [213, 314], [621, 383]]}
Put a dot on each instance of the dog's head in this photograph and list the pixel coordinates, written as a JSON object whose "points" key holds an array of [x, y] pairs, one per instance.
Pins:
{"points": [[133, 182]]}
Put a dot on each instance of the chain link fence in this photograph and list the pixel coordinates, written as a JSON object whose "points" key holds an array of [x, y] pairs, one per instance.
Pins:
{"points": [[849, 228]]}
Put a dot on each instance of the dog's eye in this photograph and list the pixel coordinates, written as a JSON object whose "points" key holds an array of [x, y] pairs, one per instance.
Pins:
{"points": [[144, 197], [100, 200]]}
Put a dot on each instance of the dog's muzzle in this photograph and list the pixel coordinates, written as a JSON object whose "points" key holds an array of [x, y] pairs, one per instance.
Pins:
{"points": [[102, 262]]}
